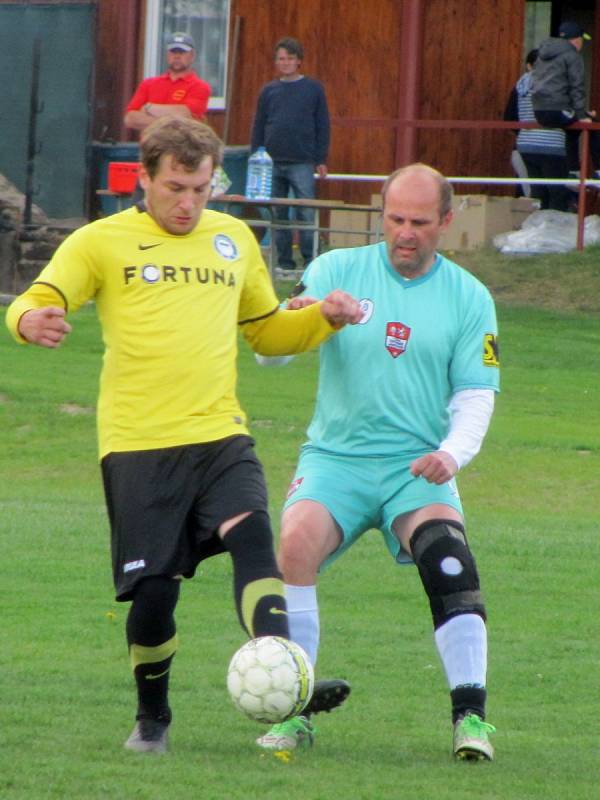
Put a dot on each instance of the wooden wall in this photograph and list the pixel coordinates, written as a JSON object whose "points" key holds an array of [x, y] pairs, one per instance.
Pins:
{"points": [[471, 57], [118, 64], [353, 51]]}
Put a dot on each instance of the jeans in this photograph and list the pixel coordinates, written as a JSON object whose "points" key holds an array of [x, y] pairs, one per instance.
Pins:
{"points": [[542, 165], [299, 178]]}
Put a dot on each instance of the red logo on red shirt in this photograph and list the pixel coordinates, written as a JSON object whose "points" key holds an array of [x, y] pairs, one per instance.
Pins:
{"points": [[396, 338]]}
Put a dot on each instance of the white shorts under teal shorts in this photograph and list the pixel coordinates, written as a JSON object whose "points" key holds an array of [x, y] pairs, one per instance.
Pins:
{"points": [[362, 493]]}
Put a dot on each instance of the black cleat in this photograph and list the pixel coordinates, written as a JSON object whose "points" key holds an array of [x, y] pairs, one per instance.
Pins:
{"points": [[327, 695]]}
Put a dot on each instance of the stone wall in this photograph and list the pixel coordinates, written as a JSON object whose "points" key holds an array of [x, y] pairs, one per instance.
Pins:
{"points": [[25, 250]]}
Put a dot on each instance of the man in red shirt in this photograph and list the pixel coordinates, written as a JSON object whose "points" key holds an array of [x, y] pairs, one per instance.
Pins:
{"points": [[179, 92]]}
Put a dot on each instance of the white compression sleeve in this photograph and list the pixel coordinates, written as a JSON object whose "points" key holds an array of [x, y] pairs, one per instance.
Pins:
{"points": [[462, 645], [470, 414]]}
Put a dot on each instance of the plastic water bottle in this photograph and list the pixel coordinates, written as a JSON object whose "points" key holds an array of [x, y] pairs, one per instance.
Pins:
{"points": [[260, 175]]}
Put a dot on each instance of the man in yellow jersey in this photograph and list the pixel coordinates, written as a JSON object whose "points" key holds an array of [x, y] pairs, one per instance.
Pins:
{"points": [[172, 281]]}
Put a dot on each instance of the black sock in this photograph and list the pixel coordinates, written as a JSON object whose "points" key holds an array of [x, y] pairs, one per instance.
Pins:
{"points": [[466, 700]]}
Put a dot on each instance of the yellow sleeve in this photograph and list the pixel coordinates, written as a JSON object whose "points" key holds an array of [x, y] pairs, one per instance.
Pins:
{"points": [[287, 332], [39, 295], [68, 281]]}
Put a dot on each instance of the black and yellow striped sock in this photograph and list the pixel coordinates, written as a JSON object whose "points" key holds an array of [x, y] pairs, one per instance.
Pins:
{"points": [[151, 667], [152, 640], [258, 588]]}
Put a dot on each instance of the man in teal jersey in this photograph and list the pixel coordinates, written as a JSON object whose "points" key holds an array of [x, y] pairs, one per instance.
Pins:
{"points": [[404, 401]]}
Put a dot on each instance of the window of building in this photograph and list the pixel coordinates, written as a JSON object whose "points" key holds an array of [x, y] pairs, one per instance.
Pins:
{"points": [[207, 21]]}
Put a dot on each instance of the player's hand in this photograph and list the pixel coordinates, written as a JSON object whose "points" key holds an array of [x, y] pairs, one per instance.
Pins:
{"points": [[44, 326], [322, 170], [436, 467], [340, 308], [300, 302]]}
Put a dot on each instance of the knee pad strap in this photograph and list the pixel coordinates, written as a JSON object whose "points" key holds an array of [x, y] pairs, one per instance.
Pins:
{"points": [[448, 570]]}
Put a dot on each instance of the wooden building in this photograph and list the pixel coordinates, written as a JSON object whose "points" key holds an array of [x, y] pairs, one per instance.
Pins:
{"points": [[386, 65]]}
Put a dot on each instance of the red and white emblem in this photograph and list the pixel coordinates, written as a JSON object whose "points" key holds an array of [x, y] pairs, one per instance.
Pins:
{"points": [[294, 485], [396, 338]]}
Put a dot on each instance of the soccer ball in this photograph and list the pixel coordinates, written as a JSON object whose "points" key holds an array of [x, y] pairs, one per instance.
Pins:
{"points": [[270, 679]]}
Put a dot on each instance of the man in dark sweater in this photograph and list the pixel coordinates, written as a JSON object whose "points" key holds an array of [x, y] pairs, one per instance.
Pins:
{"points": [[292, 123]]}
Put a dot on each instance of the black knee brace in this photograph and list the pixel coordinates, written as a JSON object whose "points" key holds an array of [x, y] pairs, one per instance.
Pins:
{"points": [[448, 570]]}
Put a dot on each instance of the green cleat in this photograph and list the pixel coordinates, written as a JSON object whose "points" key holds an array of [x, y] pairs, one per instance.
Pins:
{"points": [[471, 742], [288, 735]]}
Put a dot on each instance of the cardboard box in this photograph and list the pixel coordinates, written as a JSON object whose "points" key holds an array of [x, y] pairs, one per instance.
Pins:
{"points": [[479, 217], [348, 228]]}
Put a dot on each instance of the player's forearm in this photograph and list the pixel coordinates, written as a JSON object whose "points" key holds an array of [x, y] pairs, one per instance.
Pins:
{"points": [[470, 414], [288, 332]]}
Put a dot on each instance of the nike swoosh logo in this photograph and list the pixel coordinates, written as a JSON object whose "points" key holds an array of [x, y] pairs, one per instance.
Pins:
{"points": [[277, 611], [155, 677], [148, 246]]}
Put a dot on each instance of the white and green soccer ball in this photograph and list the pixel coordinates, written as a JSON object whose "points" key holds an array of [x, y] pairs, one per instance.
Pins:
{"points": [[270, 679]]}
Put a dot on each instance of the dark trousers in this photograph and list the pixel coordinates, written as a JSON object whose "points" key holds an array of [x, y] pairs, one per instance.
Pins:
{"points": [[562, 119], [541, 165]]}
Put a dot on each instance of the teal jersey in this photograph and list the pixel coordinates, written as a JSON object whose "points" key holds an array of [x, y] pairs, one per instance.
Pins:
{"points": [[385, 384]]}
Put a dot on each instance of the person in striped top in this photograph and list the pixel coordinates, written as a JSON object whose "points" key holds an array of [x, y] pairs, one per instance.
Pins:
{"points": [[542, 149]]}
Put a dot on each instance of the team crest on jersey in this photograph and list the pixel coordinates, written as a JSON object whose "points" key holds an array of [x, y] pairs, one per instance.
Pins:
{"points": [[150, 273], [396, 338], [491, 355], [294, 486], [225, 246], [366, 306]]}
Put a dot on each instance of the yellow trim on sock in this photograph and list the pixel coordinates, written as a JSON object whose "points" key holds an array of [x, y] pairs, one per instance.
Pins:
{"points": [[253, 593], [138, 654]]}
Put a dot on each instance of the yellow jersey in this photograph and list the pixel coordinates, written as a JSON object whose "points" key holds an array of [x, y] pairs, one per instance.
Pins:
{"points": [[169, 306]]}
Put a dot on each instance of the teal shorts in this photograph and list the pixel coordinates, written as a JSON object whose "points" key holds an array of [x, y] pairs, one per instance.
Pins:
{"points": [[363, 493]]}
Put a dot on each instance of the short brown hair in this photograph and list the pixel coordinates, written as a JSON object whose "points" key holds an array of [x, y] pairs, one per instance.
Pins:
{"points": [[187, 140], [293, 47], [443, 183]]}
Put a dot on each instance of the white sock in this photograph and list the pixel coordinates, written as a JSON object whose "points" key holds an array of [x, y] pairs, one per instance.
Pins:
{"points": [[462, 645], [303, 618]]}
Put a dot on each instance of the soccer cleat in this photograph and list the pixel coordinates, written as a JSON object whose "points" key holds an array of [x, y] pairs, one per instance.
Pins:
{"points": [[327, 695], [149, 735], [471, 742], [288, 735]]}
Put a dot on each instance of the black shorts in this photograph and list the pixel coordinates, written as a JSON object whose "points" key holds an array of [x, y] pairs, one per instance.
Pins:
{"points": [[165, 506]]}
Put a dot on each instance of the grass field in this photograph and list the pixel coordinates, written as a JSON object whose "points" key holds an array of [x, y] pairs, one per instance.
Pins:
{"points": [[532, 512]]}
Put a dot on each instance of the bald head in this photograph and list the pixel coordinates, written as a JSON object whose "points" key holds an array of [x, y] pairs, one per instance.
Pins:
{"points": [[426, 177]]}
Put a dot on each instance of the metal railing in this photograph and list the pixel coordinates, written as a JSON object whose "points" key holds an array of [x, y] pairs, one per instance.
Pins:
{"points": [[580, 184]]}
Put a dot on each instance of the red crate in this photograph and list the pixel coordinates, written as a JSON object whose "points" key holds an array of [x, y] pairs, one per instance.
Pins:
{"points": [[122, 176]]}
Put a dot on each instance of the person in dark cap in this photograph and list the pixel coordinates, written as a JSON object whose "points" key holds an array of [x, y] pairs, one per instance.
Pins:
{"points": [[558, 89], [180, 92]]}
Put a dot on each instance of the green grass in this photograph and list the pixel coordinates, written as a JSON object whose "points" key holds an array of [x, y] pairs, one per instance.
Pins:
{"points": [[531, 502]]}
